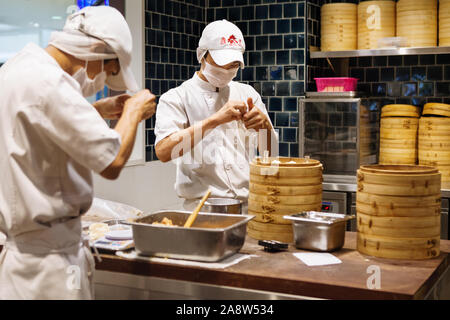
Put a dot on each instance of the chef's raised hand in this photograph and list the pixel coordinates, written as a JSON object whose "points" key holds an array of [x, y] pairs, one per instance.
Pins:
{"points": [[112, 107], [232, 110], [255, 118], [143, 102]]}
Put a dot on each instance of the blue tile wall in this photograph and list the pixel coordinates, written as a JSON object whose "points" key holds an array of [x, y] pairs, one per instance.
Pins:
{"points": [[274, 32]]}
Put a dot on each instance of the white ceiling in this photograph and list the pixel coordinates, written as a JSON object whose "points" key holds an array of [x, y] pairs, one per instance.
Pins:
{"points": [[20, 16]]}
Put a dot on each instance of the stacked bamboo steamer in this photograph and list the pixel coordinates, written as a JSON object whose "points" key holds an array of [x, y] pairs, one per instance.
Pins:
{"points": [[376, 20], [398, 211], [398, 134], [339, 27], [434, 139], [444, 22], [277, 189], [417, 21]]}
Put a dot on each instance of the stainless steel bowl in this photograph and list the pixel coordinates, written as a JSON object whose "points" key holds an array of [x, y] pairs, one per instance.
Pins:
{"points": [[222, 205], [319, 231]]}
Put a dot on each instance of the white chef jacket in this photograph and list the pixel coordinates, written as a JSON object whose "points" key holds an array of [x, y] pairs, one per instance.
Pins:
{"points": [[223, 163], [51, 138]]}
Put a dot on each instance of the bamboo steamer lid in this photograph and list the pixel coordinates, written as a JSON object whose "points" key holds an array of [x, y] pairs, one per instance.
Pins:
{"points": [[398, 211], [276, 189], [439, 109], [400, 110], [417, 21], [339, 27], [383, 25]]}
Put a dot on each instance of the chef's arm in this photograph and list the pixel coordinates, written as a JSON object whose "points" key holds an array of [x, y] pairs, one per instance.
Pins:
{"points": [[232, 110], [139, 107]]}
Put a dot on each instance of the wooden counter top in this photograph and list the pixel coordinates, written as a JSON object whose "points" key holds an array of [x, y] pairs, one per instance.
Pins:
{"points": [[283, 273]]}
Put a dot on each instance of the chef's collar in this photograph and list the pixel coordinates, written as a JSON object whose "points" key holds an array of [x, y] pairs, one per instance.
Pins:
{"points": [[205, 85]]}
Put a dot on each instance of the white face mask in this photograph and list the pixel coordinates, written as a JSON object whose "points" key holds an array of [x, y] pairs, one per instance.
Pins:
{"points": [[90, 86], [218, 77]]}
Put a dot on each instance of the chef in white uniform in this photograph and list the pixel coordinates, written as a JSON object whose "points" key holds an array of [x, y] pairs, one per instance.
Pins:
{"points": [[51, 138], [208, 124]]}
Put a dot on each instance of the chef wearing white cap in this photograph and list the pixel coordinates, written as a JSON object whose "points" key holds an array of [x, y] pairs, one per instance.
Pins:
{"points": [[206, 123], [51, 138]]}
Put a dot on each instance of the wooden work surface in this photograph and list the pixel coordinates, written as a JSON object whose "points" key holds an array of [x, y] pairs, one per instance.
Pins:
{"points": [[283, 273]]}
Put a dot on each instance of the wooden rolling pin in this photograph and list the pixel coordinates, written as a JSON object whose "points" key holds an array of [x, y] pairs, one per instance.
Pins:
{"points": [[194, 214]]}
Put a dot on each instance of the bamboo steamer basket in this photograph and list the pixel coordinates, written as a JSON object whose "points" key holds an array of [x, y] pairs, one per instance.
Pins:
{"points": [[283, 189], [383, 25], [439, 109], [434, 143], [398, 134], [444, 23], [417, 21], [398, 211], [339, 27]]}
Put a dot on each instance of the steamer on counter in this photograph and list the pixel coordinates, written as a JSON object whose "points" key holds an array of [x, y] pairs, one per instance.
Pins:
{"points": [[417, 21], [376, 20], [278, 190], [339, 27], [398, 134], [398, 211], [434, 139]]}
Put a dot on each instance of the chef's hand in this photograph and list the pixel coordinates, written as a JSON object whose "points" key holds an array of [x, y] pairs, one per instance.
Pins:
{"points": [[232, 110], [112, 107], [255, 118], [143, 102]]}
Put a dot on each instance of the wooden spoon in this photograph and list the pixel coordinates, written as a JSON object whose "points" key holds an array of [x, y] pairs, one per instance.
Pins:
{"points": [[194, 214]]}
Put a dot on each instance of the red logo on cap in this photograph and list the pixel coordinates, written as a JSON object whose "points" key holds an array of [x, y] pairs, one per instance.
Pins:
{"points": [[232, 41]]}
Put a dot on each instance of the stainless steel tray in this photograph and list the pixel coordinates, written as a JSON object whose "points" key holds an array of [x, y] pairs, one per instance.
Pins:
{"points": [[211, 238]]}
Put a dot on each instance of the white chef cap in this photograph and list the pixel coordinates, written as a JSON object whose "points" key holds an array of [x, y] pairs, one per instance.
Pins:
{"points": [[99, 33]]}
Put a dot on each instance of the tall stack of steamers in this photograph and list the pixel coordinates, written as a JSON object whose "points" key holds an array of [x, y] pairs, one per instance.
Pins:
{"points": [[347, 26]]}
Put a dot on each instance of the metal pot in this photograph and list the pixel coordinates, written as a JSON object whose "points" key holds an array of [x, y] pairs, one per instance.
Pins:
{"points": [[222, 205]]}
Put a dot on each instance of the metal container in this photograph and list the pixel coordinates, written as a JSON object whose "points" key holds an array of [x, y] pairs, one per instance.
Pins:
{"points": [[222, 205], [319, 231], [211, 238]]}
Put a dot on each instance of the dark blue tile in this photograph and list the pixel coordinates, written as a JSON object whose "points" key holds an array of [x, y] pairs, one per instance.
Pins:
{"points": [[290, 134], [357, 73], [248, 74], [275, 10], [234, 14], [426, 89], [298, 25], [442, 89], [412, 60], [254, 58], [443, 58], [268, 89], [262, 43], [282, 89], [372, 75], [155, 54], [409, 89], [284, 149], [272, 117], [168, 71], [379, 61], [160, 71], [301, 10], [300, 41], [378, 89], [294, 119], [403, 74], [283, 57], [269, 57], [150, 137], [249, 43], [221, 13], [447, 73], [282, 119], [248, 13], [294, 150], [243, 26], [365, 61], [276, 73], [395, 61], [418, 73], [283, 26], [257, 87], [298, 56], [155, 21], [387, 74], [262, 12], [261, 73], [297, 88], [276, 42], [275, 104], [394, 89], [428, 59], [227, 3], [435, 73], [290, 10], [148, 153], [254, 27], [290, 104], [290, 73], [269, 26], [290, 41], [156, 87]]}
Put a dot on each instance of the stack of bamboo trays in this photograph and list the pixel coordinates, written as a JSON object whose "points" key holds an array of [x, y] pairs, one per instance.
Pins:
{"points": [[276, 189], [376, 20], [339, 23], [417, 22], [444, 23], [398, 134], [434, 139]]}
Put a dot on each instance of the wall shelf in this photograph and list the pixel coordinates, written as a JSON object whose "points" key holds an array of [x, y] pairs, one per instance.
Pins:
{"points": [[379, 52]]}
